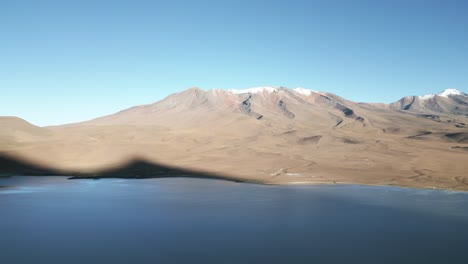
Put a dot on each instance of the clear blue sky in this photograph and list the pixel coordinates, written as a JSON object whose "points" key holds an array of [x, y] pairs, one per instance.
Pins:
{"points": [[65, 61]]}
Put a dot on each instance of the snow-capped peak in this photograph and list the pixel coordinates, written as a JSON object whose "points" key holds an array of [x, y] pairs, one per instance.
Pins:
{"points": [[254, 90], [304, 91], [448, 92]]}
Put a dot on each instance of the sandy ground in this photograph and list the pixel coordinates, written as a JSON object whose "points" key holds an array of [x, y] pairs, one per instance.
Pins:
{"points": [[266, 158]]}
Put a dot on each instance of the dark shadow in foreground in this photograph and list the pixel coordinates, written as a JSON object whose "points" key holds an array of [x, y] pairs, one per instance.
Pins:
{"points": [[10, 166], [134, 169]]}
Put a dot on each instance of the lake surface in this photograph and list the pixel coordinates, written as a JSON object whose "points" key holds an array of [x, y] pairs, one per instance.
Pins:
{"points": [[180, 220]]}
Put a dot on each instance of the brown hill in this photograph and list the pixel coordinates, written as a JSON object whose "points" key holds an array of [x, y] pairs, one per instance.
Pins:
{"points": [[14, 130]]}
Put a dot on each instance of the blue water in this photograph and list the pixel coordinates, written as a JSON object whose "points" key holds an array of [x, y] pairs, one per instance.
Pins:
{"points": [[179, 220]]}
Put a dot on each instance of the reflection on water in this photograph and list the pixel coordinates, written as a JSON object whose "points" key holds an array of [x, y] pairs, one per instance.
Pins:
{"points": [[13, 190], [55, 220]]}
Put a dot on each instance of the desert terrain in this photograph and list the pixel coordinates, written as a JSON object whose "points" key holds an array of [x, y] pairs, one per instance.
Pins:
{"points": [[269, 135]]}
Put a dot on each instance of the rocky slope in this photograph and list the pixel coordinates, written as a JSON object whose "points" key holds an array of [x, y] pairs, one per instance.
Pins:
{"points": [[450, 101]]}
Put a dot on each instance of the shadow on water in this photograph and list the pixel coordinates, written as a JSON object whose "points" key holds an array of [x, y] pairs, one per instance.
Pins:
{"points": [[134, 169]]}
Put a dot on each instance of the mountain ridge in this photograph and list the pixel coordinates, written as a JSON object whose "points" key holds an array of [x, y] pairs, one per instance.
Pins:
{"points": [[266, 135], [311, 96]]}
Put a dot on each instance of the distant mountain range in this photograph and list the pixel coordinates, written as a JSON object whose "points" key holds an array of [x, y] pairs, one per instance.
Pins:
{"points": [[274, 102], [450, 101], [263, 134]]}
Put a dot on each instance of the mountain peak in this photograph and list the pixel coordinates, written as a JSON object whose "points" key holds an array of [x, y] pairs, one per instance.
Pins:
{"points": [[445, 93], [449, 92], [195, 89], [449, 101]]}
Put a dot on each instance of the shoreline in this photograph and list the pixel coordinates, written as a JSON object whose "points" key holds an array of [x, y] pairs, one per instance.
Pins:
{"points": [[246, 181], [140, 168], [370, 184]]}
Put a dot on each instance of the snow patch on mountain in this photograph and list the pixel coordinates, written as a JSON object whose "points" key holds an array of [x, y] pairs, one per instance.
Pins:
{"points": [[254, 90], [449, 92], [304, 91], [446, 93], [271, 89], [426, 96]]}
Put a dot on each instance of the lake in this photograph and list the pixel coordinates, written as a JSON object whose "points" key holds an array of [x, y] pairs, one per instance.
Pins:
{"points": [[185, 220]]}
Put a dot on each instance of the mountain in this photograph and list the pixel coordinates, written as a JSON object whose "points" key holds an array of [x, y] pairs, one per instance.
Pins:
{"points": [[267, 135], [270, 104], [450, 101]]}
